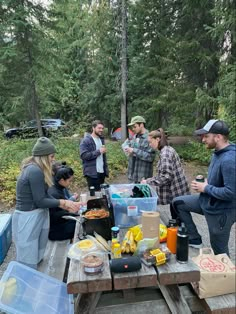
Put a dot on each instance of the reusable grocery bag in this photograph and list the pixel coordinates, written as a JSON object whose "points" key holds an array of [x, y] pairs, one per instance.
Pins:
{"points": [[217, 274]]}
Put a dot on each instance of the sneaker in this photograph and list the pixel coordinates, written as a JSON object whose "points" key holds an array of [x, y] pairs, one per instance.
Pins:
{"points": [[196, 243]]}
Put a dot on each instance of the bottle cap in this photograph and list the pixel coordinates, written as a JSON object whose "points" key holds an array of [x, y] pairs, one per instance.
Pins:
{"points": [[172, 223], [182, 229], [115, 229]]}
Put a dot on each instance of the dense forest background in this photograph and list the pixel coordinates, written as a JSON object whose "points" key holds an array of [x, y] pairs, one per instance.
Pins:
{"points": [[63, 60]]}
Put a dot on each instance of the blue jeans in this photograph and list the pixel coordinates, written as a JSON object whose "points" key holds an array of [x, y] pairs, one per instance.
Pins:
{"points": [[219, 225]]}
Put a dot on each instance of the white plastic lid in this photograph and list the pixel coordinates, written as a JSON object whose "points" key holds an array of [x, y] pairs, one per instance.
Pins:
{"points": [[4, 219]]}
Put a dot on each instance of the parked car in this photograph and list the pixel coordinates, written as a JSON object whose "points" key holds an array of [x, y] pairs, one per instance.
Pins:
{"points": [[30, 129]]}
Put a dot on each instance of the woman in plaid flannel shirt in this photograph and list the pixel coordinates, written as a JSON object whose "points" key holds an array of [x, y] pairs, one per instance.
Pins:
{"points": [[170, 179]]}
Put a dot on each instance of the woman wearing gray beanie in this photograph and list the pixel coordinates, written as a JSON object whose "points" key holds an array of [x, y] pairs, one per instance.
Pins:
{"points": [[30, 223]]}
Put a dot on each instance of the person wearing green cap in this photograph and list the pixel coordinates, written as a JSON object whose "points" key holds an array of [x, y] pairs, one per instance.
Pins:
{"points": [[30, 222], [141, 155]]}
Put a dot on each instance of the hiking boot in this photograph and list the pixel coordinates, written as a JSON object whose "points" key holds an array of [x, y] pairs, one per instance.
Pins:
{"points": [[196, 243]]}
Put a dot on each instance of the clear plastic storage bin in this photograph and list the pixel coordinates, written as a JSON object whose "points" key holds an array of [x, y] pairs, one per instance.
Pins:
{"points": [[24, 290], [128, 210]]}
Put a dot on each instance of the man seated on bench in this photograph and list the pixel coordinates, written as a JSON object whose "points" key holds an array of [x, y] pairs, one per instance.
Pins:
{"points": [[217, 198], [61, 229]]}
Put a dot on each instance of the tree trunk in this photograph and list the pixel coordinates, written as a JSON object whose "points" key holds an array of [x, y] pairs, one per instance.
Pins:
{"points": [[34, 97], [124, 72]]}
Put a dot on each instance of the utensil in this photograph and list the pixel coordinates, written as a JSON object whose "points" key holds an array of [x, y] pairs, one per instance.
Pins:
{"points": [[81, 234]]}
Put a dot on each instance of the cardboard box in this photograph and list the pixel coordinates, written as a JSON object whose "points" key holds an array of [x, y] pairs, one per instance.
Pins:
{"points": [[151, 225], [5, 235]]}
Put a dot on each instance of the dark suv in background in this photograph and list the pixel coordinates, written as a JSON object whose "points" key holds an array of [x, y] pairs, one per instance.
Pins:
{"points": [[31, 130]]}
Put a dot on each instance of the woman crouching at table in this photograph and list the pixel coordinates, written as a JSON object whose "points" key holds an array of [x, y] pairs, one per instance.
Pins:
{"points": [[170, 179], [30, 222], [60, 228]]}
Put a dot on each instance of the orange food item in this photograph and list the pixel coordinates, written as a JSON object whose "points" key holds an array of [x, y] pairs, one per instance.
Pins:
{"points": [[172, 239], [96, 214]]}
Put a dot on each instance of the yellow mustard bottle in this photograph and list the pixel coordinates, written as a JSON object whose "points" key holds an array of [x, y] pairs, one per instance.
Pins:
{"points": [[113, 242], [117, 250]]}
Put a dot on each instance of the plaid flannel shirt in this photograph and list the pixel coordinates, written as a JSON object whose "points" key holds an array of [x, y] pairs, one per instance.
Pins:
{"points": [[170, 179], [140, 164]]}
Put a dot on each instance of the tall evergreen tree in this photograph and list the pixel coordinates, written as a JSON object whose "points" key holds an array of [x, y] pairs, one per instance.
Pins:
{"points": [[21, 59]]}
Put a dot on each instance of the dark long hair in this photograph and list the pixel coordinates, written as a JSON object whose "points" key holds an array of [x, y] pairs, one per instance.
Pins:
{"points": [[61, 171], [159, 133]]}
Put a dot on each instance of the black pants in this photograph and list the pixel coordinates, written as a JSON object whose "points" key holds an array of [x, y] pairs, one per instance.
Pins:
{"points": [[174, 214], [64, 231], [96, 182]]}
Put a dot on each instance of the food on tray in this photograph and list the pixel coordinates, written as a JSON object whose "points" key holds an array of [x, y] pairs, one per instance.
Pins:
{"points": [[156, 257], [96, 213], [148, 257], [85, 244], [79, 249], [93, 263]]}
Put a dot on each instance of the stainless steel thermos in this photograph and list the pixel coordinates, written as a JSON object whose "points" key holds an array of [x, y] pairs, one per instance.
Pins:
{"points": [[182, 244], [92, 191]]}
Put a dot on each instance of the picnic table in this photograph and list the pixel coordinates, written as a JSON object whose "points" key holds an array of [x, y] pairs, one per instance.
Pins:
{"points": [[167, 277]]}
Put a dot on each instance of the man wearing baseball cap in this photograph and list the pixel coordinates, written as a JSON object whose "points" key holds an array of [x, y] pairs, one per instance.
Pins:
{"points": [[141, 155], [216, 198]]}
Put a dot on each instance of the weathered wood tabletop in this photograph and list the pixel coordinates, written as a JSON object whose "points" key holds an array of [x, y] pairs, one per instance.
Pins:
{"points": [[168, 274]]}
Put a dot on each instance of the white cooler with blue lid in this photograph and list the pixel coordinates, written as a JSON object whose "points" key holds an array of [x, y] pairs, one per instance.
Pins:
{"points": [[5, 235]]}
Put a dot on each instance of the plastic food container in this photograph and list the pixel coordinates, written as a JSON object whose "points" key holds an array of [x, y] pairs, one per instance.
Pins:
{"points": [[93, 263], [24, 290], [81, 248], [128, 210]]}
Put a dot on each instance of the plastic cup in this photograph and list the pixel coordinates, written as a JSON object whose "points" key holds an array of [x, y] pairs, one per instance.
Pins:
{"points": [[83, 198]]}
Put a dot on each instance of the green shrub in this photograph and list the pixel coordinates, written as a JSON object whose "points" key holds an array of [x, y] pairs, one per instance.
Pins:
{"points": [[14, 151], [194, 151], [176, 129]]}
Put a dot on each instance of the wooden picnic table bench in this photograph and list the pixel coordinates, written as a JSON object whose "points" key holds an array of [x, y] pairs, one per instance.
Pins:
{"points": [[55, 262], [167, 278], [130, 287]]}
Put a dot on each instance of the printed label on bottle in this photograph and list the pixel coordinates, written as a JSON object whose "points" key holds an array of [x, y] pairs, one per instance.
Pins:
{"points": [[132, 210]]}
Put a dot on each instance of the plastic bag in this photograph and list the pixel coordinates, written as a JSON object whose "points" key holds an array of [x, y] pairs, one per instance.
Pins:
{"points": [[145, 244], [125, 145], [163, 233], [137, 232]]}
